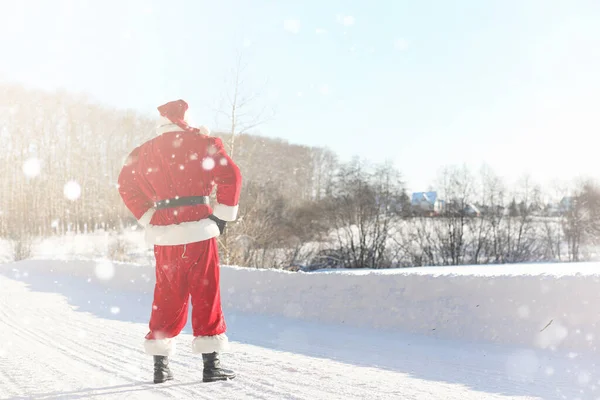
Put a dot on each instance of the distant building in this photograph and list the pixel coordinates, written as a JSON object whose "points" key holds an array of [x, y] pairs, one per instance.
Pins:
{"points": [[566, 204], [426, 202]]}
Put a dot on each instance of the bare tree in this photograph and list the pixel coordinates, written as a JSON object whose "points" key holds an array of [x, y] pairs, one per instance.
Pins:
{"points": [[363, 211], [241, 118], [521, 237], [581, 219], [458, 189], [240, 110]]}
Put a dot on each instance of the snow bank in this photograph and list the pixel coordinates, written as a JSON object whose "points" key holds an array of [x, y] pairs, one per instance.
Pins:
{"points": [[553, 306]]}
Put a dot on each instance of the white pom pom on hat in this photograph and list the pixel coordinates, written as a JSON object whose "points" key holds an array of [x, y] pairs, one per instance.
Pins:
{"points": [[204, 130]]}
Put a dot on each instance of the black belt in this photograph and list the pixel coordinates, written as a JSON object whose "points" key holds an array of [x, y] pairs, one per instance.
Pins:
{"points": [[181, 201]]}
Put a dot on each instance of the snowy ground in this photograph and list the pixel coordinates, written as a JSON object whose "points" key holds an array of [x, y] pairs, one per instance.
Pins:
{"points": [[66, 334]]}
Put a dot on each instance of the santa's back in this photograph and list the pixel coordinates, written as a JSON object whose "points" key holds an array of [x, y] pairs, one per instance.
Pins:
{"points": [[168, 179]]}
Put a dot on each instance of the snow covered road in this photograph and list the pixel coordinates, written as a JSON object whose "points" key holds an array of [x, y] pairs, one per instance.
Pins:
{"points": [[62, 337]]}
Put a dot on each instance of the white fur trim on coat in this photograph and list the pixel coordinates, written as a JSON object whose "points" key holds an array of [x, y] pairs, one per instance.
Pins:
{"points": [[160, 347], [146, 218], [226, 213], [183, 233], [209, 344], [170, 127]]}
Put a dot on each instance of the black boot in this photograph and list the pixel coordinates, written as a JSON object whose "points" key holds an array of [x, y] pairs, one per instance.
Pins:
{"points": [[162, 373], [212, 369]]}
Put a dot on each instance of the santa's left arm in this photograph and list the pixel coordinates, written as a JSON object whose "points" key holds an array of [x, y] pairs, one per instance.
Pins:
{"points": [[129, 188], [228, 179]]}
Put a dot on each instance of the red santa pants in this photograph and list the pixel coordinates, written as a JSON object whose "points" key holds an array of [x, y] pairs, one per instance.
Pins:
{"points": [[185, 271]]}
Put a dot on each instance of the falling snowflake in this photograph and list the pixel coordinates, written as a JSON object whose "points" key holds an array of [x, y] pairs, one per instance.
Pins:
{"points": [[522, 365], [72, 190], [291, 25], [589, 337], [32, 167], [104, 270], [223, 161], [523, 312], [401, 44], [115, 310], [208, 163], [346, 20], [584, 378]]}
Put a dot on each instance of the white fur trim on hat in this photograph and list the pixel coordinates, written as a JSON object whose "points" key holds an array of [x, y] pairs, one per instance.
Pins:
{"points": [[159, 347], [209, 344], [166, 125], [226, 213], [183, 233]]}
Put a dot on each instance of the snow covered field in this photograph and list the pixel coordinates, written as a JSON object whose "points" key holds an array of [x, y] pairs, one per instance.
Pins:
{"points": [[74, 329]]}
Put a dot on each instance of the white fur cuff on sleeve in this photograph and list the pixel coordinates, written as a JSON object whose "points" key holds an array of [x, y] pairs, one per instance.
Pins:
{"points": [[226, 213], [146, 218]]}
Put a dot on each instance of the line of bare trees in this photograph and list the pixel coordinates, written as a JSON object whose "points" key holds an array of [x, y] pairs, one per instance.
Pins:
{"points": [[307, 208]]}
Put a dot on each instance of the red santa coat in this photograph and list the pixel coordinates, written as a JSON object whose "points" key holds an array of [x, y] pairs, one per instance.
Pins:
{"points": [[180, 163]]}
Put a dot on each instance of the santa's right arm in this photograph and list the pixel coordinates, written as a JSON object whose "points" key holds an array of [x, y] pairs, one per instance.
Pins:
{"points": [[228, 179], [131, 194]]}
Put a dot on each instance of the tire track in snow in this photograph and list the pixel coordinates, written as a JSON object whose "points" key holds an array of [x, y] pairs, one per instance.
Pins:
{"points": [[7, 381], [87, 354], [69, 351], [27, 364]]}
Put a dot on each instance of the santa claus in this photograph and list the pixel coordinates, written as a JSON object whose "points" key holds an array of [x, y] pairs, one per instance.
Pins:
{"points": [[166, 183]]}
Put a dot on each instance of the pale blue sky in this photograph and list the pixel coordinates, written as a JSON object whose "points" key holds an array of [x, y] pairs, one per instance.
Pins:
{"points": [[423, 83]]}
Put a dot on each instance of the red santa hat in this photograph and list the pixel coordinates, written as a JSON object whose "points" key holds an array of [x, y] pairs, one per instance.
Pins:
{"points": [[175, 111]]}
